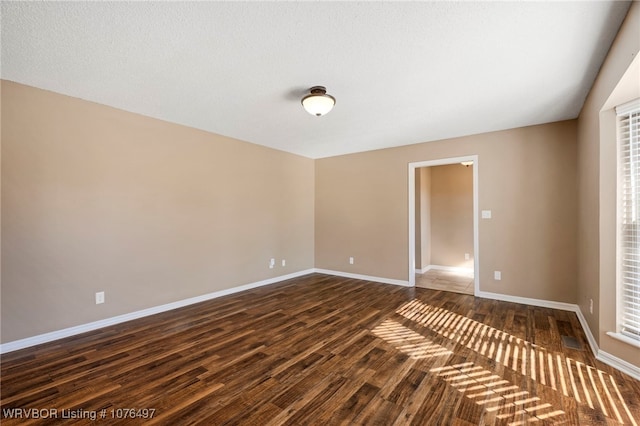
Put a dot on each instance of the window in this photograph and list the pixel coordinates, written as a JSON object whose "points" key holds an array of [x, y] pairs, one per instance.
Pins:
{"points": [[629, 218]]}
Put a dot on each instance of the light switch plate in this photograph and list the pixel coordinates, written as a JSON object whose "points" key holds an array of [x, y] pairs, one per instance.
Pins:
{"points": [[486, 214]]}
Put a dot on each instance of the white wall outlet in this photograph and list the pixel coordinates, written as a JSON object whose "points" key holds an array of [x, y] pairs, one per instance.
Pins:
{"points": [[497, 275], [351, 260], [590, 306], [467, 256], [99, 297], [284, 262], [272, 263], [486, 214]]}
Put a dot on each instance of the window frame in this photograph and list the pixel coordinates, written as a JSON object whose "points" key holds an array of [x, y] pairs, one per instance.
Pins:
{"points": [[628, 109]]}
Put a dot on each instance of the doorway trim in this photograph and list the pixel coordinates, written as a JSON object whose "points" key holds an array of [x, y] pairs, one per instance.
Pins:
{"points": [[412, 214]]}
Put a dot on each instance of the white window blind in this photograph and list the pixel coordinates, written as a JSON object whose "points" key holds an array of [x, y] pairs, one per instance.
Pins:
{"points": [[629, 245]]}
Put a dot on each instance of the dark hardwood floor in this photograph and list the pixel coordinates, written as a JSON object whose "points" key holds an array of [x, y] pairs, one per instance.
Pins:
{"points": [[323, 350]]}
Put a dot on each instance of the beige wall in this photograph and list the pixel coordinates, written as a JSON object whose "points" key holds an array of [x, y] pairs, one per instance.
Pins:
{"points": [[425, 216], [527, 177], [0, 211], [452, 215], [597, 192], [98, 199], [419, 222]]}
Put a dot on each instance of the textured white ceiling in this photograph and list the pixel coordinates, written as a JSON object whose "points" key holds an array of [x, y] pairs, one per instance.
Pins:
{"points": [[402, 72]]}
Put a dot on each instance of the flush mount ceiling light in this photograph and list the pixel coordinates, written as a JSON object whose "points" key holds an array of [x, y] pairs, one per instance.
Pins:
{"points": [[467, 163], [317, 102]]}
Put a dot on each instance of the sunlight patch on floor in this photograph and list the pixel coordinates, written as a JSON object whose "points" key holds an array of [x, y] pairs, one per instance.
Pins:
{"points": [[408, 341], [496, 394], [586, 384]]}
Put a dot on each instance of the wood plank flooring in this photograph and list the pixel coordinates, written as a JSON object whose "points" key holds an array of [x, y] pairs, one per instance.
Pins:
{"points": [[323, 350]]}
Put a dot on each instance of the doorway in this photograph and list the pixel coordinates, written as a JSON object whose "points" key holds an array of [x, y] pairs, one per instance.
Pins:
{"points": [[443, 224]]}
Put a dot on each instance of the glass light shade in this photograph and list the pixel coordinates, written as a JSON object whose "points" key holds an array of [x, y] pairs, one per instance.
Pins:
{"points": [[318, 103], [467, 163]]}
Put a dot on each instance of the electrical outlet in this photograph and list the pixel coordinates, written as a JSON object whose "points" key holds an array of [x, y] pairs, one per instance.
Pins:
{"points": [[497, 275], [351, 260], [284, 262], [467, 256], [99, 297]]}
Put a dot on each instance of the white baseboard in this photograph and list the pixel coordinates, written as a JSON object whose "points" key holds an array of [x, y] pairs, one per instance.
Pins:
{"points": [[445, 268], [363, 277], [600, 355], [619, 364], [528, 301], [593, 344], [72, 331]]}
